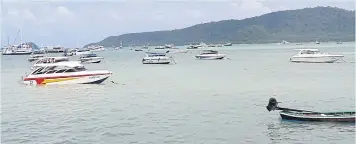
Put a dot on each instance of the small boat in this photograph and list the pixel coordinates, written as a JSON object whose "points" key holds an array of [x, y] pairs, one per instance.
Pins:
{"points": [[228, 44], [82, 51], [303, 115], [119, 47], [209, 55], [316, 42], [70, 72], [157, 58], [177, 51], [161, 47], [96, 48], [314, 56], [138, 50], [45, 60], [193, 47], [69, 52], [211, 45], [340, 42], [34, 57], [90, 58]]}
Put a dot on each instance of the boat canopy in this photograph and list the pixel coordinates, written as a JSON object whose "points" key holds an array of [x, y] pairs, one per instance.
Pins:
{"points": [[155, 54], [209, 52], [64, 63], [89, 55], [51, 59]]}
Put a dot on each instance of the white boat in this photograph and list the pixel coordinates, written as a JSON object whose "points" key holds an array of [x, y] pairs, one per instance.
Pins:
{"points": [[314, 56], [35, 57], [228, 44], [82, 51], [45, 60], [96, 48], [23, 49], [90, 58], [119, 47], [210, 55], [71, 72], [177, 51], [157, 58]]}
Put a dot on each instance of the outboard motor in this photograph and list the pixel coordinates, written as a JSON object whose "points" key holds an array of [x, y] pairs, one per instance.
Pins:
{"points": [[272, 104]]}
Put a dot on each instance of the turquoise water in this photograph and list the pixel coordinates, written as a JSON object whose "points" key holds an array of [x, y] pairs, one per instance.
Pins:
{"points": [[193, 101]]}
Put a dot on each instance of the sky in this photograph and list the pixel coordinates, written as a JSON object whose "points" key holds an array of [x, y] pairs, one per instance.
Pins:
{"points": [[72, 23]]}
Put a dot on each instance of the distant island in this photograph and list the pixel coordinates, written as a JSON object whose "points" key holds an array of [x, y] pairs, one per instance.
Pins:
{"points": [[302, 25]]}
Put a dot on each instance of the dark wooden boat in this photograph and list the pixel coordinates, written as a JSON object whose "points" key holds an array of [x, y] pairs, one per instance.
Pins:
{"points": [[303, 115]]}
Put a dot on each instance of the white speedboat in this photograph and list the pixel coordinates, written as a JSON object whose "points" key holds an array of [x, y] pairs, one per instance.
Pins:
{"points": [[177, 51], [314, 56], [90, 58], [82, 51], [210, 55], [96, 48], [71, 72], [157, 58], [34, 57], [45, 60]]}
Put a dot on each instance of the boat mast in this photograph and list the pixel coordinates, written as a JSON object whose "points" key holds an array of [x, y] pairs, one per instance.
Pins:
{"points": [[21, 31], [2, 15]]}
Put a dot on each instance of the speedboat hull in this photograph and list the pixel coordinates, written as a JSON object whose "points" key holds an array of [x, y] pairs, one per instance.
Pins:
{"points": [[156, 60], [91, 60], [210, 57], [17, 53], [98, 49], [83, 53], [314, 116], [87, 77], [321, 59]]}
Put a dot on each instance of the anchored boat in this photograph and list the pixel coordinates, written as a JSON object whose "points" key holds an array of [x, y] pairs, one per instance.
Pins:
{"points": [[70, 72], [303, 115], [210, 55], [35, 57], [314, 56], [157, 58], [45, 60], [90, 58]]}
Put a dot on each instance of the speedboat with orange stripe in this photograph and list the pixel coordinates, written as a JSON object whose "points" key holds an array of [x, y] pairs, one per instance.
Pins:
{"points": [[68, 72]]}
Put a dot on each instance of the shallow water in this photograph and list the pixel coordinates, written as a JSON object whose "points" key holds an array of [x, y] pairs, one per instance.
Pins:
{"points": [[193, 101]]}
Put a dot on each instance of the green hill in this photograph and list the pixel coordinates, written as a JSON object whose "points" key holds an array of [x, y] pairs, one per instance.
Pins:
{"points": [[308, 24]]}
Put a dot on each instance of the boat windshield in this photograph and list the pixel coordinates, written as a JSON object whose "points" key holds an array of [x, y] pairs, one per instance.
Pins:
{"points": [[50, 60], [88, 55], [155, 54], [209, 52], [308, 52], [57, 69]]}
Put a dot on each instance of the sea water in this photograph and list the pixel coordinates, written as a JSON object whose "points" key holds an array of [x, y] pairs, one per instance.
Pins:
{"points": [[192, 101]]}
